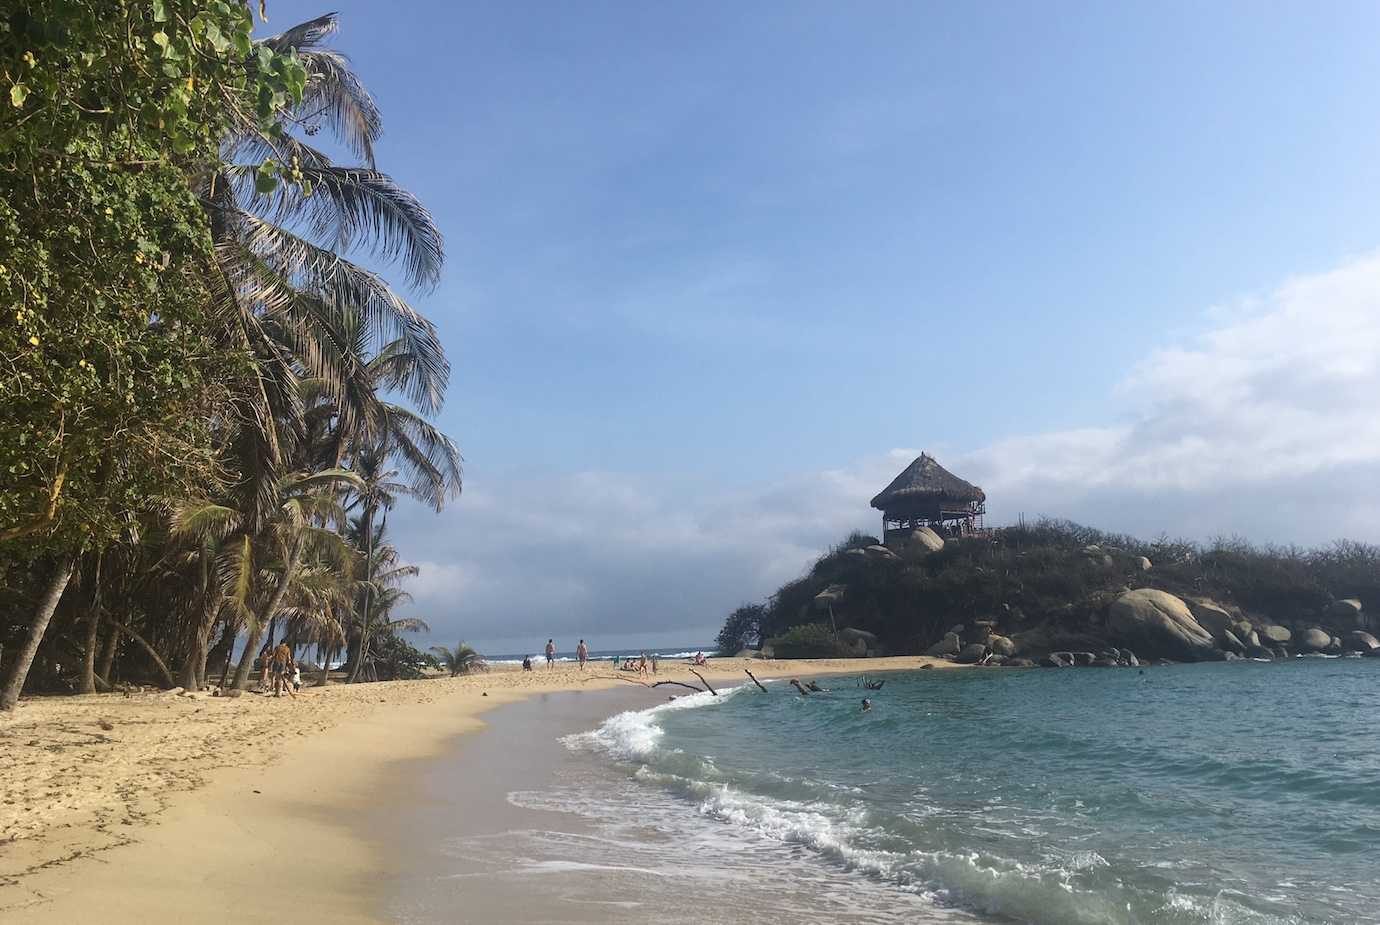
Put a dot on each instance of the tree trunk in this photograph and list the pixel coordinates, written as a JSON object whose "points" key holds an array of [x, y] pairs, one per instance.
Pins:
{"points": [[112, 642], [150, 650], [193, 671], [19, 671], [251, 650], [368, 578], [93, 638]]}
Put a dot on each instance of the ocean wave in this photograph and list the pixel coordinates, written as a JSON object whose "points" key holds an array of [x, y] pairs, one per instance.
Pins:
{"points": [[634, 735]]}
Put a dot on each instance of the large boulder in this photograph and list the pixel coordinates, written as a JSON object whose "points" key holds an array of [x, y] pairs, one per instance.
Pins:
{"points": [[949, 645], [1142, 563], [1360, 641], [1273, 634], [971, 653], [1231, 643], [1002, 645], [1314, 640], [1346, 613], [880, 552], [925, 540], [1210, 615], [1158, 624]]}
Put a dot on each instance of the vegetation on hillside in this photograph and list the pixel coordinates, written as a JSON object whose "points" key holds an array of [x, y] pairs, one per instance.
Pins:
{"points": [[209, 406], [1044, 574]]}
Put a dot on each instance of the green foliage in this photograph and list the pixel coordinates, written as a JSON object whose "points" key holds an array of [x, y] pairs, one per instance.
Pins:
{"points": [[808, 640], [1023, 576], [463, 659], [396, 659], [742, 628]]}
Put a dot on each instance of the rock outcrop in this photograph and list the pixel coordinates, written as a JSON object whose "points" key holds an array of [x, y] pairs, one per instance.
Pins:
{"points": [[1314, 640], [926, 540], [1346, 613], [971, 653], [1360, 641], [1159, 624], [949, 645], [1002, 645], [1274, 635], [1210, 615]]}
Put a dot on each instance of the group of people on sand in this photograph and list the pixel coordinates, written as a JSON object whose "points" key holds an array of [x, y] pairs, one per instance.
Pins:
{"points": [[281, 667], [581, 653]]}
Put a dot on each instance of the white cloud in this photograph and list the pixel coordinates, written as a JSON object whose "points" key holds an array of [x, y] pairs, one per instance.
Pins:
{"points": [[1265, 425]]}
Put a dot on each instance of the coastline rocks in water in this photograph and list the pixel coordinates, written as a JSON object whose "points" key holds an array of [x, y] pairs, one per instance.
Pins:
{"points": [[1083, 659], [1346, 612], [1280, 653], [1231, 644], [1314, 640], [995, 660], [1002, 645], [1373, 653], [1360, 641], [1019, 663], [925, 540], [1129, 658], [949, 645], [1057, 660], [1210, 615], [1274, 635], [971, 653], [1159, 624]]}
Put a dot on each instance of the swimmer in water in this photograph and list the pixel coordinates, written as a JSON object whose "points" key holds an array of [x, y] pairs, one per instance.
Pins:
{"points": [[867, 705]]}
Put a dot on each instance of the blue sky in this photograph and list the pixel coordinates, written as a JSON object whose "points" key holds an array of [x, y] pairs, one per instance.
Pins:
{"points": [[710, 264]]}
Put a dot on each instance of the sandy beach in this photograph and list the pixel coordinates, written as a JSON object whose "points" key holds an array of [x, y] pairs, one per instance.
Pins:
{"points": [[162, 807]]}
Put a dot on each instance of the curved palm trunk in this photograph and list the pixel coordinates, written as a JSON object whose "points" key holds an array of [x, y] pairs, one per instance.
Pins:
{"points": [[251, 650], [19, 671], [88, 661], [193, 671]]}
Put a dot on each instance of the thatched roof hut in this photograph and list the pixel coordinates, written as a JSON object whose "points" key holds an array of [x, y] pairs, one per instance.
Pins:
{"points": [[926, 494]]}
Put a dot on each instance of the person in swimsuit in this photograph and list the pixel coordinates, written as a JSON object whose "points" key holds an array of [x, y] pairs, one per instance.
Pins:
{"points": [[550, 652], [280, 667], [582, 653]]}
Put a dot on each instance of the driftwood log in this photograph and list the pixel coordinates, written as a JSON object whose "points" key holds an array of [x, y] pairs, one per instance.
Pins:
{"points": [[755, 681]]}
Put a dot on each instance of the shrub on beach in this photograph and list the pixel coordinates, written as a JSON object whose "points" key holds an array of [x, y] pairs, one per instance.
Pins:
{"points": [[808, 640]]}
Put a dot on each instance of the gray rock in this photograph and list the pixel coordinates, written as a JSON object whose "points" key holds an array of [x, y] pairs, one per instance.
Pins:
{"points": [[1019, 663], [1231, 644], [1251, 639], [1159, 624], [1057, 660], [971, 653], [925, 540], [1210, 615], [1259, 652], [1372, 653], [1143, 564], [1346, 612], [1360, 641], [1129, 658], [1273, 634], [995, 660], [1230, 656], [1083, 659], [1280, 653], [949, 645], [1104, 663], [1002, 645], [880, 552], [1314, 640]]}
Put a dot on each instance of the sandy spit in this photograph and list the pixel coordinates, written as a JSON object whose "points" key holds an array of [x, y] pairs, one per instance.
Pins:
{"points": [[163, 807]]}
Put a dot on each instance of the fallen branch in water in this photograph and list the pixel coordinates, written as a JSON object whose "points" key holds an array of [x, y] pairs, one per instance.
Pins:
{"points": [[755, 681], [704, 682], [614, 677], [698, 690]]}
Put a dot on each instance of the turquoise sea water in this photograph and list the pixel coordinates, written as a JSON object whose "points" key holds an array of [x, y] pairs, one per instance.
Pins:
{"points": [[1234, 792]]}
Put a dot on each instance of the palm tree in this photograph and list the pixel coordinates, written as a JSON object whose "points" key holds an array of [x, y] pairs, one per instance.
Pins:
{"points": [[462, 659]]}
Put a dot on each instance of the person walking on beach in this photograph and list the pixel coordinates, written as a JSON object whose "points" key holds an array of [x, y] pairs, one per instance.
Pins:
{"points": [[582, 653], [281, 669], [550, 652]]}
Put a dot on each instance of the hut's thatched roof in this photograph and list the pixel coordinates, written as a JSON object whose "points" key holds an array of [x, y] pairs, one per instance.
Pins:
{"points": [[926, 481]]}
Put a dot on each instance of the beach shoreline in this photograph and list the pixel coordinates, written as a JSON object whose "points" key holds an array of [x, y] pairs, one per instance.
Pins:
{"points": [[200, 803]]}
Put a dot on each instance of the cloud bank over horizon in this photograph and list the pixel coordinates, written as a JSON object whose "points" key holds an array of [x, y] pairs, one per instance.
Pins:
{"points": [[1265, 426]]}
